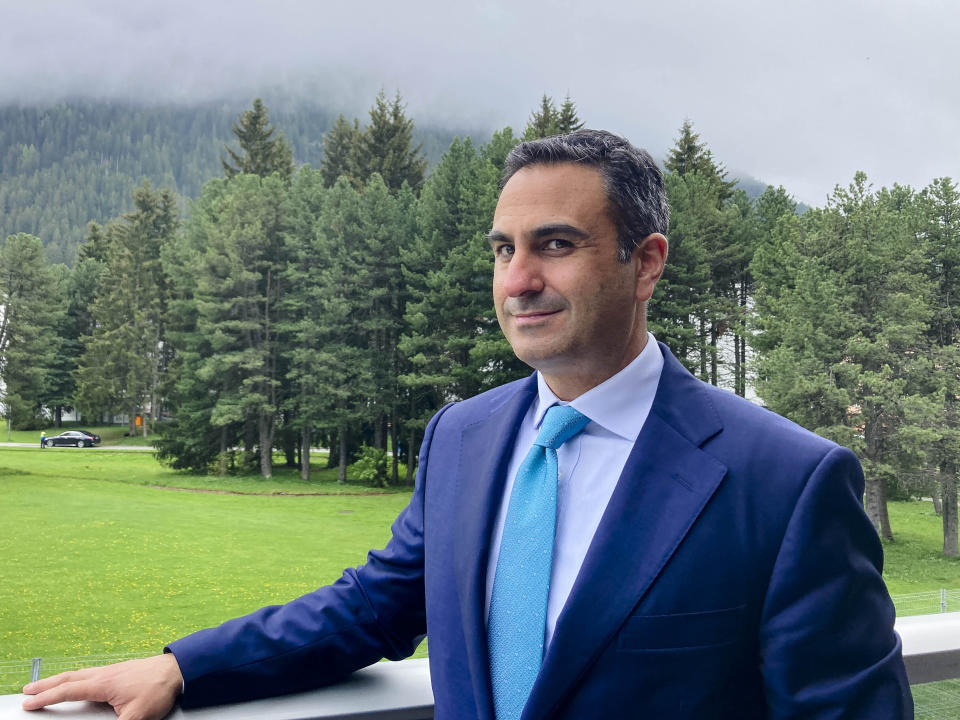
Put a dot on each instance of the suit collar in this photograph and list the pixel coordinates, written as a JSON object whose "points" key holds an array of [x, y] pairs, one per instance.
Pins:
{"points": [[683, 402]]}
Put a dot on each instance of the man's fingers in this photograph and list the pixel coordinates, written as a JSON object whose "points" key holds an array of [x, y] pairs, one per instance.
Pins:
{"points": [[143, 689], [71, 690], [47, 683]]}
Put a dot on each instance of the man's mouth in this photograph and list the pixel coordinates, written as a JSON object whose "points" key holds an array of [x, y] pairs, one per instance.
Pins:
{"points": [[531, 318]]}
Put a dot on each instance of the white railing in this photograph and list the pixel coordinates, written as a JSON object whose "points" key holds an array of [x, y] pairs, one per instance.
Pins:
{"points": [[401, 690], [384, 691]]}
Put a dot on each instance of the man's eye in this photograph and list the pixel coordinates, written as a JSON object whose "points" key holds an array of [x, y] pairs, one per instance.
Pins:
{"points": [[503, 250], [558, 244]]}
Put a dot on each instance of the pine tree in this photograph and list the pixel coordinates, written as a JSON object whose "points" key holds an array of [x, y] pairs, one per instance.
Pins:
{"points": [[338, 278], [239, 229], [124, 359], [567, 119], [306, 396], [495, 152], [845, 298], [29, 313], [679, 307], [704, 209], [386, 146], [940, 203], [453, 346], [95, 244], [544, 121], [690, 155], [78, 288], [260, 152], [340, 149]]}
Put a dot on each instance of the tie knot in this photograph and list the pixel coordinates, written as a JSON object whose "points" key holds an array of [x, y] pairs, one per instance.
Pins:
{"points": [[560, 423]]}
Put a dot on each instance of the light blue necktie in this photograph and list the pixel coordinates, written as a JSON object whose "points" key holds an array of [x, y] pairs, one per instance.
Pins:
{"points": [[518, 605]]}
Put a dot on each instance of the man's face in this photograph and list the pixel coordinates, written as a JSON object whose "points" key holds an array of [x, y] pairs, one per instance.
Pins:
{"points": [[567, 306]]}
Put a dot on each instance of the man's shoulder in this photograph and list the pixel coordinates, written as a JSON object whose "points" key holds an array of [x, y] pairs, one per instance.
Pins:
{"points": [[748, 425]]}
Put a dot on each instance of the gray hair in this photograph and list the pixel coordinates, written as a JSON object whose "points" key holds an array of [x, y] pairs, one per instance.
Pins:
{"points": [[631, 178]]}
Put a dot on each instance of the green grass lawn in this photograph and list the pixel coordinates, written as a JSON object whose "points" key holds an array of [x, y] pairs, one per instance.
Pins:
{"points": [[95, 561], [914, 561], [99, 556]]}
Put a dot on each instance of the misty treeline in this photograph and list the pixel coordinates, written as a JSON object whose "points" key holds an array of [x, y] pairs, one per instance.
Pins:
{"points": [[342, 306], [64, 165]]}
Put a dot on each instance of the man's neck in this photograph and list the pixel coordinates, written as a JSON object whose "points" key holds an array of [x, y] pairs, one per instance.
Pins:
{"points": [[569, 386]]}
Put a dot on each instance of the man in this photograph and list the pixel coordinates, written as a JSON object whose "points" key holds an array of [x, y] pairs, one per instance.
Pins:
{"points": [[43, 439], [701, 558]]}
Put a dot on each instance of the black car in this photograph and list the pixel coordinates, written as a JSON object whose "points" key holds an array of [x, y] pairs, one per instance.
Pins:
{"points": [[74, 438], [94, 438]]}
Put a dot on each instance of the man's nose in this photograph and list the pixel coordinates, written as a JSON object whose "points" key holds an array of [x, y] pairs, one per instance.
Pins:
{"points": [[523, 274]]}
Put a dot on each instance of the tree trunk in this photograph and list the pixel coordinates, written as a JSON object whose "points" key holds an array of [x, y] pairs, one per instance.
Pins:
{"points": [[411, 455], [222, 460], [333, 451], [342, 466], [713, 354], [305, 437], [58, 414], [395, 474], [742, 374], [154, 385], [290, 446], [736, 364], [950, 548], [265, 426], [249, 441], [132, 422], [876, 487], [703, 350], [871, 502], [886, 532], [379, 441], [935, 497]]}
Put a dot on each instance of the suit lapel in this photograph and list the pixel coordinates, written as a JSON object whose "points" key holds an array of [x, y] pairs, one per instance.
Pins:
{"points": [[485, 449], [663, 488]]}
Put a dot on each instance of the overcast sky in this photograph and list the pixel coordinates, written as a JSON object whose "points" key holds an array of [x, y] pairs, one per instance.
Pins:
{"points": [[799, 93]]}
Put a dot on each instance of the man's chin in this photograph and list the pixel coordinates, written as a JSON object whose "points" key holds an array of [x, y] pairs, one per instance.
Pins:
{"points": [[539, 358]]}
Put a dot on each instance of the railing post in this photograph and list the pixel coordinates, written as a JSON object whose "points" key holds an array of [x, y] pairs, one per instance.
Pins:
{"points": [[943, 600], [35, 669]]}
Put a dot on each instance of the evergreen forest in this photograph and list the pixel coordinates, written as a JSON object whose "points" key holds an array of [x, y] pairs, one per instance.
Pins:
{"points": [[314, 280]]}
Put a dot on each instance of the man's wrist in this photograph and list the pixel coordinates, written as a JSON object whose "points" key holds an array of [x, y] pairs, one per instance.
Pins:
{"points": [[173, 672]]}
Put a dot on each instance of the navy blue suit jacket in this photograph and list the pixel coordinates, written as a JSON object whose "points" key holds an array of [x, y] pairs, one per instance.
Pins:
{"points": [[734, 575]]}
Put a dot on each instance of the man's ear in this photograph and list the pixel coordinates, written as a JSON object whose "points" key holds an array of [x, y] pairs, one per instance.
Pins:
{"points": [[650, 256]]}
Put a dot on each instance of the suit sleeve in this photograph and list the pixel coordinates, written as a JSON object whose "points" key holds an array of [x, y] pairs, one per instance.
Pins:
{"points": [[371, 612], [828, 648]]}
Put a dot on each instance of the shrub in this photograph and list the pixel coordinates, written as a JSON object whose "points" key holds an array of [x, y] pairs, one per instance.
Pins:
{"points": [[372, 467]]}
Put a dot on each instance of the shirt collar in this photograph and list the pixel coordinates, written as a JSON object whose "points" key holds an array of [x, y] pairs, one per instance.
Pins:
{"points": [[620, 403]]}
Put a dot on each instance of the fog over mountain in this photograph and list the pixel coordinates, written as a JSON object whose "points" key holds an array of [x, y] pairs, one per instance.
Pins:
{"points": [[799, 94]]}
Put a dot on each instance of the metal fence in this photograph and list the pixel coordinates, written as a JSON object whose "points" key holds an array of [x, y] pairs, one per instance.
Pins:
{"points": [[937, 701], [14, 674], [927, 603]]}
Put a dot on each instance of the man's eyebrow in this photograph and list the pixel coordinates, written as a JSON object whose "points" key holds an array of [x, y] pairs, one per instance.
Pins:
{"points": [[495, 236], [559, 229]]}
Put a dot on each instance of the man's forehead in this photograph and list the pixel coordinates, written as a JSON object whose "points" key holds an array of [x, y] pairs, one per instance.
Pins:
{"points": [[560, 194], [544, 178]]}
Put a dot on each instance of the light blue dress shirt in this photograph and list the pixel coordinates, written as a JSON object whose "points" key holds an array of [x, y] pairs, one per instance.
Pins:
{"points": [[590, 465]]}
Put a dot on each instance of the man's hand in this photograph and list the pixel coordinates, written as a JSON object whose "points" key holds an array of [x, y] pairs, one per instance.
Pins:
{"points": [[137, 689]]}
